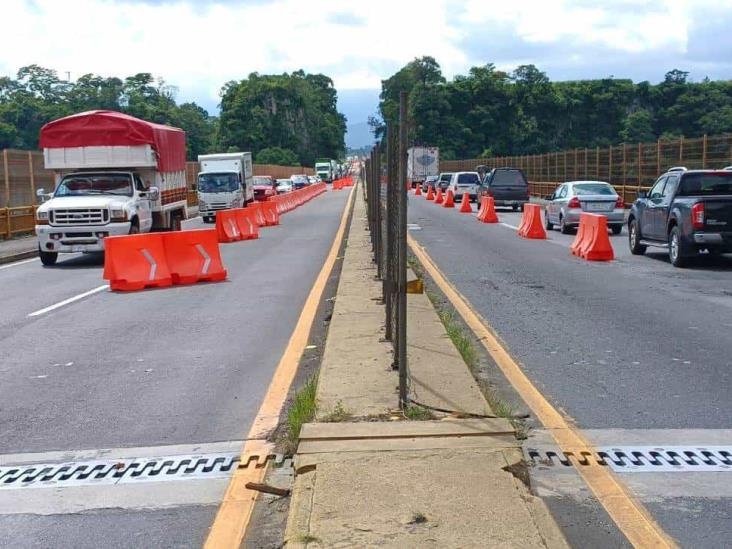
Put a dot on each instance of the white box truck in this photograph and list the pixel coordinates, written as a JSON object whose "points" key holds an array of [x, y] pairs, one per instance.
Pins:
{"points": [[114, 174], [226, 180], [421, 163], [325, 169]]}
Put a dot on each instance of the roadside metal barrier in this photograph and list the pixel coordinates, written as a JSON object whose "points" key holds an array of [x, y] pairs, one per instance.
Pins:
{"points": [[386, 191]]}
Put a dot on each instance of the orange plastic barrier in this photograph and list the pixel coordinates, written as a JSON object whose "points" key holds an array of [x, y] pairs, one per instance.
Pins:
{"points": [[246, 220], [487, 211], [449, 200], [271, 217], [531, 224], [430, 193], [438, 197], [592, 242], [465, 206], [193, 256], [257, 209], [227, 227], [136, 261], [418, 191]]}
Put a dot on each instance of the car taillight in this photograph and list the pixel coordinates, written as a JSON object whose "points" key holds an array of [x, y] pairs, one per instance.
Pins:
{"points": [[574, 203], [619, 202], [697, 215]]}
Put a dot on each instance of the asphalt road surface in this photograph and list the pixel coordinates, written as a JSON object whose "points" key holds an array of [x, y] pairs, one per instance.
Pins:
{"points": [[633, 350], [180, 370]]}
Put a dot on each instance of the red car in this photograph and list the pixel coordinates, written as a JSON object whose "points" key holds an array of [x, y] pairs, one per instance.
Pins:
{"points": [[265, 186]]}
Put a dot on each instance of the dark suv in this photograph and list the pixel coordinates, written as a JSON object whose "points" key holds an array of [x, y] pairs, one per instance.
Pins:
{"points": [[685, 211], [507, 186]]}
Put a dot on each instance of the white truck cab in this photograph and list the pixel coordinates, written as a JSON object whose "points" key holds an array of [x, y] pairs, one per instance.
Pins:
{"points": [[225, 181], [114, 175]]}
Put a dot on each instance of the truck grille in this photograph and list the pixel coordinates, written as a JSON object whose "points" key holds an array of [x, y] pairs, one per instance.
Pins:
{"points": [[79, 216], [218, 206]]}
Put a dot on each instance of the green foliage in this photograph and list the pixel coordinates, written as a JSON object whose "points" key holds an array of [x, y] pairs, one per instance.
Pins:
{"points": [[295, 112], [37, 96], [489, 111], [302, 410], [278, 156]]}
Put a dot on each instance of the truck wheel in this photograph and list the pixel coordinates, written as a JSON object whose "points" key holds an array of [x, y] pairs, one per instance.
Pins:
{"points": [[676, 249], [134, 226], [636, 248], [548, 225], [48, 258]]}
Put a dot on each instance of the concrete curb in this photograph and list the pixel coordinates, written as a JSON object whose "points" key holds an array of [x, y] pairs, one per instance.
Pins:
{"points": [[18, 256]]}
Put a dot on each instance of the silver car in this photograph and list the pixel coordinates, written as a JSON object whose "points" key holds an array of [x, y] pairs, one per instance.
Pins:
{"points": [[570, 199]]}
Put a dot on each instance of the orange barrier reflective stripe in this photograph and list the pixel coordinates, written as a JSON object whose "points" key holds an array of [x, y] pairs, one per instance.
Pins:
{"points": [[193, 256], [246, 221], [136, 261], [270, 213], [258, 214]]}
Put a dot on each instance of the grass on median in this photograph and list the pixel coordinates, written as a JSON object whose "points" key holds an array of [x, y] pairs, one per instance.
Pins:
{"points": [[302, 410]]}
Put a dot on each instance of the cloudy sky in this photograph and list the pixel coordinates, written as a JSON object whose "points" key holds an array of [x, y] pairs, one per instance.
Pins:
{"points": [[197, 45]]}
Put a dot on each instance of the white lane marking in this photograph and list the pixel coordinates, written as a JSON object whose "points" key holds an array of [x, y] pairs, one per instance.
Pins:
{"points": [[69, 300], [15, 264], [509, 226]]}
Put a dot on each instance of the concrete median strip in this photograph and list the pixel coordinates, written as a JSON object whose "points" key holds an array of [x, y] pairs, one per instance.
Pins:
{"points": [[376, 479]]}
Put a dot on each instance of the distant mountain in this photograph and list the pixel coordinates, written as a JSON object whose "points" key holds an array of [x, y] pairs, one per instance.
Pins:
{"points": [[359, 135]]}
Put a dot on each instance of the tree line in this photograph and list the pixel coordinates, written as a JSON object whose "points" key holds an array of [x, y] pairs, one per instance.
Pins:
{"points": [[285, 119], [489, 112]]}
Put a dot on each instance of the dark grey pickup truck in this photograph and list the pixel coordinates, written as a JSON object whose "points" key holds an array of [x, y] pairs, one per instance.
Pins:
{"points": [[686, 211]]}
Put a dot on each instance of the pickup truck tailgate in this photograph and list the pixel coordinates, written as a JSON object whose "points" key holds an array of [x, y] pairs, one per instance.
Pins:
{"points": [[718, 214]]}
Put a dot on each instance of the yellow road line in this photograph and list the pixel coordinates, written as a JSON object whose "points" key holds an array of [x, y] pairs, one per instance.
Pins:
{"points": [[626, 511], [232, 518]]}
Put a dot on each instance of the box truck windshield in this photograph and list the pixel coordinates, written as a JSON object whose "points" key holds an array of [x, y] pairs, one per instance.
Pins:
{"points": [[95, 184], [218, 182]]}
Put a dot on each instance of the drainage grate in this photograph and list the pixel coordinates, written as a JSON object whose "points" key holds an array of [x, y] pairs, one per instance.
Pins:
{"points": [[643, 459], [132, 470]]}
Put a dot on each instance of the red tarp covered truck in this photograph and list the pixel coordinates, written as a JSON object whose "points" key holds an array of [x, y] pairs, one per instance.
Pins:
{"points": [[114, 174]]}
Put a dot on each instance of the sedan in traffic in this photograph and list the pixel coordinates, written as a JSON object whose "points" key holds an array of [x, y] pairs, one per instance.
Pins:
{"points": [[569, 200], [430, 181], [284, 186], [299, 181]]}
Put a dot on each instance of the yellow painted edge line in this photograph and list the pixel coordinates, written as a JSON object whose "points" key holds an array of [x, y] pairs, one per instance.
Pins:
{"points": [[626, 511], [230, 525]]}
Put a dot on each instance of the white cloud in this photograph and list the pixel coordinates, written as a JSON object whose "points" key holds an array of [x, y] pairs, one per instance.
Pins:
{"points": [[198, 46]]}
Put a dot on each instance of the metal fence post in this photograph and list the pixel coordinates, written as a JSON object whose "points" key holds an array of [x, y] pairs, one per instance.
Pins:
{"points": [[402, 248], [389, 256]]}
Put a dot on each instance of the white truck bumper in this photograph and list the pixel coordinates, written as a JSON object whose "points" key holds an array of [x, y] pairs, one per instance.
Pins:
{"points": [[78, 239]]}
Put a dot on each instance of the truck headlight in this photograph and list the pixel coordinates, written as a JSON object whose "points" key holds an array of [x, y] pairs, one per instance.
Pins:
{"points": [[42, 218], [119, 215]]}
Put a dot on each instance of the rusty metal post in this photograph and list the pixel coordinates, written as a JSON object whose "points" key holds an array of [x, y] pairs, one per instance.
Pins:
{"points": [[704, 152], [658, 157], [640, 165], [8, 234], [681, 150], [402, 248]]}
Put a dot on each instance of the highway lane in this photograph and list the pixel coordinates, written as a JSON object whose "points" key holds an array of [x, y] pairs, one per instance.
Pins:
{"points": [[633, 345], [183, 365]]}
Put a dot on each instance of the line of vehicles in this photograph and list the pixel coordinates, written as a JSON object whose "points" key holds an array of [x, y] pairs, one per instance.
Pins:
{"points": [[686, 212], [115, 174]]}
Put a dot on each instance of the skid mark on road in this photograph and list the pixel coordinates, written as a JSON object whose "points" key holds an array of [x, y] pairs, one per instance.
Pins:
{"points": [[230, 525], [69, 300], [627, 512]]}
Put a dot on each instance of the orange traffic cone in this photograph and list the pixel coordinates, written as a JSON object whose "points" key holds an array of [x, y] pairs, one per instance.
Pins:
{"points": [[418, 190], [449, 200], [438, 197], [430, 193], [487, 212], [465, 206]]}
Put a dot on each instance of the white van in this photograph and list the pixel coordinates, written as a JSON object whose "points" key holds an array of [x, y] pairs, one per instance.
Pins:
{"points": [[464, 182]]}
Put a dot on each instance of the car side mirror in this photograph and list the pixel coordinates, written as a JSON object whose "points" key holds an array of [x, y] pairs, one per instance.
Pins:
{"points": [[153, 193], [43, 195], [642, 194]]}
